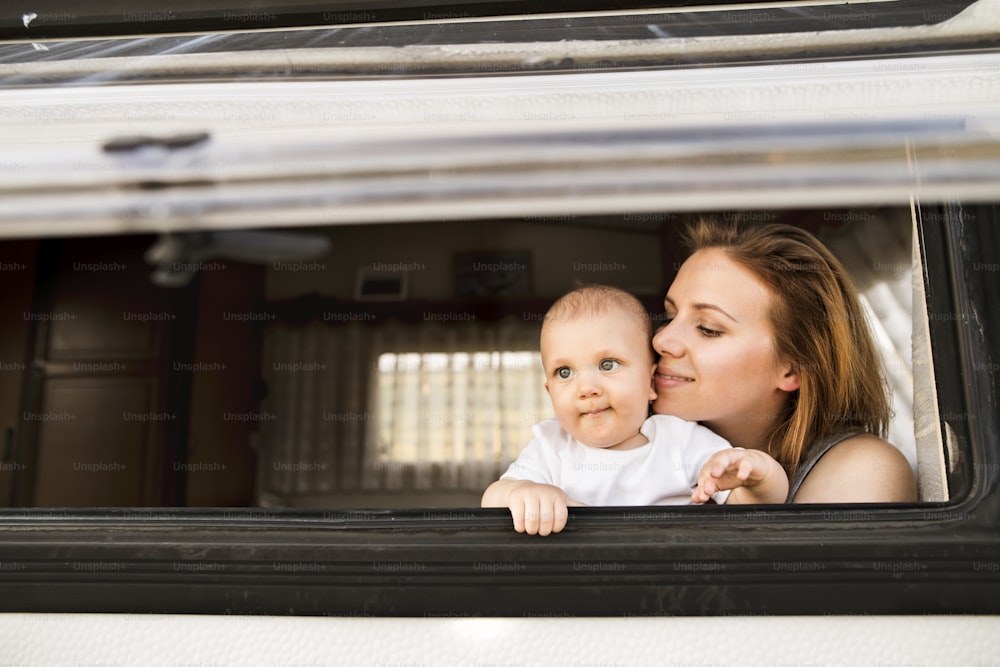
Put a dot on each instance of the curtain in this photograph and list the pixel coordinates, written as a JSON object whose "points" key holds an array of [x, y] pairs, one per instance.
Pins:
{"points": [[399, 407], [316, 408], [876, 248]]}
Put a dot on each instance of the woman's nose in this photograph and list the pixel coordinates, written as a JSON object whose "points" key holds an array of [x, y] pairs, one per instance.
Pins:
{"points": [[667, 342]]}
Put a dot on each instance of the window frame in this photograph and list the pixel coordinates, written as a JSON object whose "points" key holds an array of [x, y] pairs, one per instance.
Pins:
{"points": [[55, 19], [691, 560], [832, 559]]}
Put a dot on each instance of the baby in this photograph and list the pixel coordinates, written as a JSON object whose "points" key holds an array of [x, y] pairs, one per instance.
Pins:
{"points": [[603, 448]]}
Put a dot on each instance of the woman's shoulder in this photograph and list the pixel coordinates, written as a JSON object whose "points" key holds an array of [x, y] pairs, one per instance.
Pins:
{"points": [[862, 468]]}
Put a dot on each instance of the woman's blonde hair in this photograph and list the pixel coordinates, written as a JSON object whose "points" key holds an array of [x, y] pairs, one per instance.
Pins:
{"points": [[818, 326]]}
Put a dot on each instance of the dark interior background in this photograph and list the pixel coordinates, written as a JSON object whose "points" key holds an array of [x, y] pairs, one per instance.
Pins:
{"points": [[114, 391]]}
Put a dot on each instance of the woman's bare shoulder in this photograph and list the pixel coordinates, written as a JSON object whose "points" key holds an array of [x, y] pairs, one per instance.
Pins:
{"points": [[861, 469]]}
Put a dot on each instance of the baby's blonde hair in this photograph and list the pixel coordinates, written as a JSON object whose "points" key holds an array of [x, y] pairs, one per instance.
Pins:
{"points": [[600, 300]]}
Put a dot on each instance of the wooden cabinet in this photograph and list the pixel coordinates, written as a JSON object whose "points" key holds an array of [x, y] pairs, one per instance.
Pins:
{"points": [[103, 414]]}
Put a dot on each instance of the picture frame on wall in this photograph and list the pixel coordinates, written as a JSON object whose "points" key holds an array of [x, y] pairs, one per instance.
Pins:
{"points": [[493, 274], [374, 285]]}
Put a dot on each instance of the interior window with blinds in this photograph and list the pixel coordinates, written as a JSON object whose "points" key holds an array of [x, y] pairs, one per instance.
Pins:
{"points": [[362, 413]]}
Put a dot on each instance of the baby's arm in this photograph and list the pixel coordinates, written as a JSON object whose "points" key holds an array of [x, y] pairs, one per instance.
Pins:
{"points": [[536, 508], [753, 476]]}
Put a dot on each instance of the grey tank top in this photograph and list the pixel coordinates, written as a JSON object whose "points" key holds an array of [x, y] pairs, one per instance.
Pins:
{"points": [[815, 453]]}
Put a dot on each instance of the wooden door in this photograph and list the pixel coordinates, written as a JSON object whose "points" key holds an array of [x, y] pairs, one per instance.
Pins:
{"points": [[103, 417]]}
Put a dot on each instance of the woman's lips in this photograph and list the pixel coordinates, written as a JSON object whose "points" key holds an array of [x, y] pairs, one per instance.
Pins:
{"points": [[669, 379]]}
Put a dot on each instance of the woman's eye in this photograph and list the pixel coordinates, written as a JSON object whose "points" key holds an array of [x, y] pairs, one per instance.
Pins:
{"points": [[563, 373], [709, 333], [609, 364]]}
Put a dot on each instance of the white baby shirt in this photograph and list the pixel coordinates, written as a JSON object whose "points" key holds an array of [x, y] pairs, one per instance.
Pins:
{"points": [[662, 472]]}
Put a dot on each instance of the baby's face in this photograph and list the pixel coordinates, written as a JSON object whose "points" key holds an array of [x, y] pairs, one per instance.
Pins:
{"points": [[598, 372]]}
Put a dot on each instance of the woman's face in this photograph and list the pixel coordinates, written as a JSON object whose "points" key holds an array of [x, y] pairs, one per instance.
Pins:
{"points": [[717, 361]]}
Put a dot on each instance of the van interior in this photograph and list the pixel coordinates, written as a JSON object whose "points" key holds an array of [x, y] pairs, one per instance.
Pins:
{"points": [[384, 366]]}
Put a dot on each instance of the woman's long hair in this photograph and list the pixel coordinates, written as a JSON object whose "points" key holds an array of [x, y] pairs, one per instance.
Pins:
{"points": [[818, 325]]}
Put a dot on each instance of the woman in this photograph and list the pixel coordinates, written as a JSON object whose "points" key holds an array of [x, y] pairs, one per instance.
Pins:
{"points": [[766, 344]]}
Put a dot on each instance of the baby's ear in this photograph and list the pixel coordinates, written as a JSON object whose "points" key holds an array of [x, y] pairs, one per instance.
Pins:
{"points": [[652, 385]]}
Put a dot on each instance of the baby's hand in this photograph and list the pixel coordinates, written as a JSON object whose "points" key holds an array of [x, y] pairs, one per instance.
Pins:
{"points": [[538, 509], [761, 476]]}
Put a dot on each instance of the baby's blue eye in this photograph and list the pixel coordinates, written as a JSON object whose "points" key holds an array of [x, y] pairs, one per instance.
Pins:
{"points": [[609, 364], [563, 372]]}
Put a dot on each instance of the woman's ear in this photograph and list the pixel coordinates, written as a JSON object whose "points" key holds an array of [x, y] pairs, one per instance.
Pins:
{"points": [[790, 381]]}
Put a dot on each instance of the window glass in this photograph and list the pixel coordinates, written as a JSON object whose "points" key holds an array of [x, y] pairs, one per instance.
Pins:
{"points": [[278, 384]]}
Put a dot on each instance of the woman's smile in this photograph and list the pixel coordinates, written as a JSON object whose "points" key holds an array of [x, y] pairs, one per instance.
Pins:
{"points": [[668, 378]]}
